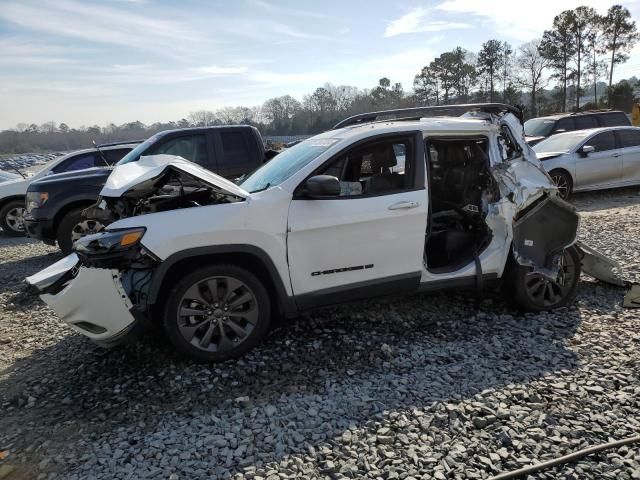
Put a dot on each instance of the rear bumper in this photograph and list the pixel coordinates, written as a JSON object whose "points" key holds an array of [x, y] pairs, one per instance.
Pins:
{"points": [[40, 229], [92, 301]]}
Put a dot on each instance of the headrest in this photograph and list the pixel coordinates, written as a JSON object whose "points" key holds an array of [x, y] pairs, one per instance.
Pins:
{"points": [[384, 157]]}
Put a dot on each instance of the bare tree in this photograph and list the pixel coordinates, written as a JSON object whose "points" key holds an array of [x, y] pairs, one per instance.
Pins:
{"points": [[202, 118], [532, 66]]}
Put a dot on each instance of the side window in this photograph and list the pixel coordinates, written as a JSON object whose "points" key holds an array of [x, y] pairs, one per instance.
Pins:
{"points": [[79, 162], [235, 150], [374, 168], [585, 121], [189, 147], [629, 138], [603, 141], [564, 125], [114, 156], [614, 119]]}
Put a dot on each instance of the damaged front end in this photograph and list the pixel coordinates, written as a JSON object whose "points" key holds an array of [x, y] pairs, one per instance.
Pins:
{"points": [[157, 184], [113, 268]]}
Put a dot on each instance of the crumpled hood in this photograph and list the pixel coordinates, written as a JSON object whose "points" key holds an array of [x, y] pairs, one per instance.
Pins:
{"points": [[88, 173], [126, 176]]}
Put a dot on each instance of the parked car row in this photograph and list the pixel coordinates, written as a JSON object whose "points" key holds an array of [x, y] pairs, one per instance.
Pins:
{"points": [[587, 150], [13, 192], [49, 205], [373, 207], [537, 129]]}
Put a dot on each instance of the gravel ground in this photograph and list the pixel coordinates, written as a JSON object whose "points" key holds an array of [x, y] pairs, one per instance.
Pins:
{"points": [[412, 387]]}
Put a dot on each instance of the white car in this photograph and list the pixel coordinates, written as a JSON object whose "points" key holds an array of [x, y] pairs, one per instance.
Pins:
{"points": [[593, 159], [4, 176], [13, 191], [326, 221]]}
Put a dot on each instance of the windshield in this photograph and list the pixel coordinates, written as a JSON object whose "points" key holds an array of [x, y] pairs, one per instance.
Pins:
{"points": [[134, 155], [286, 164], [538, 127], [560, 143]]}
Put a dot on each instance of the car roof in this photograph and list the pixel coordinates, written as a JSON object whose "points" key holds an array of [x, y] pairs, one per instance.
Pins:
{"points": [[557, 116], [441, 125], [204, 129], [591, 131]]}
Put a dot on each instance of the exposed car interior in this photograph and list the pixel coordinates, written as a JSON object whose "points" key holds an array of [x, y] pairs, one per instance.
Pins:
{"points": [[461, 187]]}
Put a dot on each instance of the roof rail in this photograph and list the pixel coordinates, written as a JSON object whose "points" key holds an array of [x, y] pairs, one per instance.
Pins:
{"points": [[594, 110], [415, 113], [113, 144]]}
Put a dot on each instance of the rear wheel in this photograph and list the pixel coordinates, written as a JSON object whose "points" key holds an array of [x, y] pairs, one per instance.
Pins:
{"points": [[536, 292], [11, 218], [217, 313], [73, 227], [563, 181]]}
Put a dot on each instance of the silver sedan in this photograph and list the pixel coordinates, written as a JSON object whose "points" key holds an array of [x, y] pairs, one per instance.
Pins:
{"points": [[592, 159]]}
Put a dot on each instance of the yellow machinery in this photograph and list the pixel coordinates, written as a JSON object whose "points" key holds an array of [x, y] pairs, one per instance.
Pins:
{"points": [[635, 115]]}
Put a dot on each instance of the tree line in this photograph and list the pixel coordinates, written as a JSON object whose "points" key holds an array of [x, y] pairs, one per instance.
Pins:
{"points": [[574, 60]]}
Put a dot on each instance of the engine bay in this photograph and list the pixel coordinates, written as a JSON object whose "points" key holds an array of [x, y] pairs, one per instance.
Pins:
{"points": [[174, 189]]}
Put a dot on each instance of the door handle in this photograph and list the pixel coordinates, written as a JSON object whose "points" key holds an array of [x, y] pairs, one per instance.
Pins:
{"points": [[616, 155], [404, 205]]}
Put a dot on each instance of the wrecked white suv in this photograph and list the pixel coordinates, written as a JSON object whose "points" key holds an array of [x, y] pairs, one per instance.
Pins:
{"points": [[372, 207]]}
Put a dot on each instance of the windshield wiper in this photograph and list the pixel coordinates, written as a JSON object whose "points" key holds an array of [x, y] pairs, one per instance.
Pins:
{"points": [[13, 167], [261, 189]]}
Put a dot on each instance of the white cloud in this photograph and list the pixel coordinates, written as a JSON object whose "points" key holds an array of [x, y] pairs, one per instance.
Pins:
{"points": [[416, 21], [271, 8], [519, 19], [103, 24]]}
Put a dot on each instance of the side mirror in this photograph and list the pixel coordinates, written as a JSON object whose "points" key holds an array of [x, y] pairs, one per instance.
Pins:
{"points": [[586, 150], [322, 186]]}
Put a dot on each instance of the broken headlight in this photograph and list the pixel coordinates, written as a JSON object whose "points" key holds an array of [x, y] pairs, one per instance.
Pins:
{"points": [[111, 241], [118, 248]]}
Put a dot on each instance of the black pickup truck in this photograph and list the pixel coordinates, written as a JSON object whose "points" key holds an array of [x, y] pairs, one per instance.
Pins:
{"points": [[54, 205]]}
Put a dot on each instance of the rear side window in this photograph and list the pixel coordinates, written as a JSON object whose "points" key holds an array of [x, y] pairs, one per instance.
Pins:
{"points": [[189, 147], [78, 162], [564, 125], [235, 150], [613, 119], [585, 121], [603, 141], [114, 156], [629, 138]]}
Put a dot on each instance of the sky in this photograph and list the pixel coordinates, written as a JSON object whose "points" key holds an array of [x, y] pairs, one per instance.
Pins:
{"points": [[88, 62]]}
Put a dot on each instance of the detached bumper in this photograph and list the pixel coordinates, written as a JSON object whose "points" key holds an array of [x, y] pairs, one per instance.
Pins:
{"points": [[90, 300]]}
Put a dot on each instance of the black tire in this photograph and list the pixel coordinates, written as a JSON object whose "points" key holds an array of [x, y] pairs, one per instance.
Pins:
{"points": [[11, 224], [533, 292], [563, 181], [208, 328], [70, 229]]}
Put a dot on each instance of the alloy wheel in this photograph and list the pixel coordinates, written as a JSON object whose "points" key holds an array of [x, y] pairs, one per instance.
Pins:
{"points": [[15, 219], [84, 228], [547, 292], [217, 314], [562, 184]]}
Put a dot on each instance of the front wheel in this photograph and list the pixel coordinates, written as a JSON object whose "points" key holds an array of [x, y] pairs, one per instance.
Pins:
{"points": [[74, 226], [535, 292], [11, 218], [217, 313]]}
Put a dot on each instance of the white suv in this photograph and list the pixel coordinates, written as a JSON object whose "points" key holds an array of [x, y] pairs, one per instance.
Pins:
{"points": [[369, 208]]}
